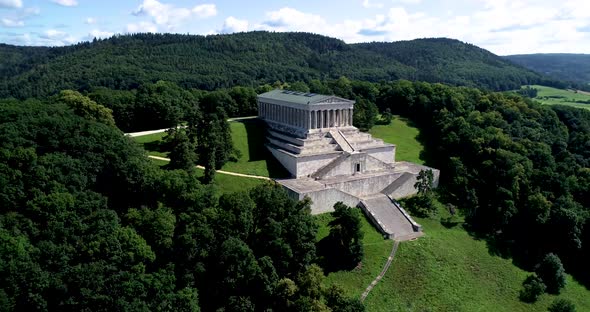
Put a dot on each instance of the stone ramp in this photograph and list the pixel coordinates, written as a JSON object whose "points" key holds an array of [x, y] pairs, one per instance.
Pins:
{"points": [[388, 217], [331, 165], [341, 140]]}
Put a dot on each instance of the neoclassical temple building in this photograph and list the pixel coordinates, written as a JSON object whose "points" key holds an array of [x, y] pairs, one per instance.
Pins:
{"points": [[330, 160]]}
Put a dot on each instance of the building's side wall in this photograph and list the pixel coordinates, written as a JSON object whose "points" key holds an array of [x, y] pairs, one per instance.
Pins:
{"points": [[323, 201], [288, 161], [368, 186], [385, 154], [349, 166], [306, 165]]}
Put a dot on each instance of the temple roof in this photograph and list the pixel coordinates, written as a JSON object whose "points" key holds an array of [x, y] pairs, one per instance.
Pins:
{"points": [[302, 97]]}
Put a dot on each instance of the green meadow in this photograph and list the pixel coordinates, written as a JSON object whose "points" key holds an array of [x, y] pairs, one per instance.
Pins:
{"points": [[553, 96]]}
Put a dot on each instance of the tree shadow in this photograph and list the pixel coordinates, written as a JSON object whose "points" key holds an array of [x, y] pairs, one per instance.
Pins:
{"points": [[159, 146], [450, 222]]}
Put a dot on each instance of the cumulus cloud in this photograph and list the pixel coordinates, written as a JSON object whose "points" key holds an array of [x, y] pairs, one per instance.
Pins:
{"points": [[67, 3], [90, 21], [232, 25], [367, 4], [11, 4], [7, 22], [169, 16], [141, 27]]}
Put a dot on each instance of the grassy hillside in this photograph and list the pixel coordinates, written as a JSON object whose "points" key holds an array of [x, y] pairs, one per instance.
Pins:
{"points": [[247, 59], [552, 96], [446, 270], [570, 67], [401, 133]]}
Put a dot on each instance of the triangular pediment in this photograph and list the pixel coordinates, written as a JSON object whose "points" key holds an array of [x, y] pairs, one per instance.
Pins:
{"points": [[332, 99]]}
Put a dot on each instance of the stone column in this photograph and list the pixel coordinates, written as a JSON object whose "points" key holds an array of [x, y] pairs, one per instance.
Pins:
{"points": [[350, 113], [331, 118], [339, 119], [322, 119]]}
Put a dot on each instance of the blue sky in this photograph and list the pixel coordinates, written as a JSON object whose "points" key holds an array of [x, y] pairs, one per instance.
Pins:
{"points": [[501, 26]]}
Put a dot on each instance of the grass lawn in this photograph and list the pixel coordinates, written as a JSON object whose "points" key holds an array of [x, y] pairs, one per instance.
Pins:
{"points": [[402, 134], [225, 183], [377, 250], [152, 143], [552, 96], [248, 137], [446, 270]]}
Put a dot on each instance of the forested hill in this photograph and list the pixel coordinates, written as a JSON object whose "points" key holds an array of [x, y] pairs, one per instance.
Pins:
{"points": [[564, 66], [218, 61]]}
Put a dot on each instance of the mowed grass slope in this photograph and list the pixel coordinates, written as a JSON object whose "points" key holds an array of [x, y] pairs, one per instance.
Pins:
{"points": [[553, 96], [445, 270], [403, 135]]}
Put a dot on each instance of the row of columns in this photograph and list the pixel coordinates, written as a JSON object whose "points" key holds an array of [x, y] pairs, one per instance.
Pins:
{"points": [[306, 119], [329, 118]]}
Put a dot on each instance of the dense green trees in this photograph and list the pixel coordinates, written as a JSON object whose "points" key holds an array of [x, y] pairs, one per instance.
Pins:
{"points": [[563, 66], [342, 249], [562, 305], [422, 205], [551, 272], [87, 222], [517, 169], [125, 62]]}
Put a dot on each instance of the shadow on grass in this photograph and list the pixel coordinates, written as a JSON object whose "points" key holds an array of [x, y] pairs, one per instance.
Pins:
{"points": [[156, 146], [256, 136]]}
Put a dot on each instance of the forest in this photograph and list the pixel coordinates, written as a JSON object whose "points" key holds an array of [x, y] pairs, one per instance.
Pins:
{"points": [[88, 223], [124, 62], [562, 66], [86, 217]]}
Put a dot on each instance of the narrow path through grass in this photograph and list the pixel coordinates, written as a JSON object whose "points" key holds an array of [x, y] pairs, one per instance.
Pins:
{"points": [[385, 268]]}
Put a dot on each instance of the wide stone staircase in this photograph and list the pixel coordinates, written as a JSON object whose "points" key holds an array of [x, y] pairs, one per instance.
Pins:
{"points": [[391, 219]]}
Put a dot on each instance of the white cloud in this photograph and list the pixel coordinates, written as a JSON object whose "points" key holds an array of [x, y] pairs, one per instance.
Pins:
{"points": [[99, 34], [90, 21], [11, 4], [367, 4], [501, 26], [289, 19], [205, 10], [141, 27], [232, 25], [67, 3], [53, 37], [7, 22], [169, 16]]}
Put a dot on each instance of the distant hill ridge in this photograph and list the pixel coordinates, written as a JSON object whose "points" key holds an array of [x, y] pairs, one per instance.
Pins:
{"points": [[563, 66], [252, 58]]}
